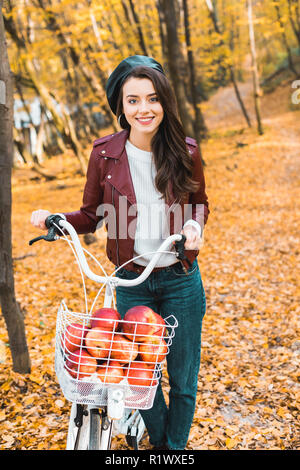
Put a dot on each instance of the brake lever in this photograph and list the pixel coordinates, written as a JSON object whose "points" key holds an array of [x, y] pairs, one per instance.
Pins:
{"points": [[179, 247], [50, 237], [52, 234]]}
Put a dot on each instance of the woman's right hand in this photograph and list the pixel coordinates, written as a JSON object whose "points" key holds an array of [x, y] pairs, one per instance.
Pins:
{"points": [[38, 218]]}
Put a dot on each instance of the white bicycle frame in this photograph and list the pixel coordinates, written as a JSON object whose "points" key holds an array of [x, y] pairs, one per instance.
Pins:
{"points": [[116, 412]]}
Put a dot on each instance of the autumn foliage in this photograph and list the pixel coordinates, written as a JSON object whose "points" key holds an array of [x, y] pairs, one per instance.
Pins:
{"points": [[248, 396]]}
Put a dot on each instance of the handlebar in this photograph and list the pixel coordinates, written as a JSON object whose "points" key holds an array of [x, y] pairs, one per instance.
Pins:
{"points": [[55, 220]]}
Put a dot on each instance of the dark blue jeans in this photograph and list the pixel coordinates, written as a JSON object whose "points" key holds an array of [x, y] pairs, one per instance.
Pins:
{"points": [[172, 292]]}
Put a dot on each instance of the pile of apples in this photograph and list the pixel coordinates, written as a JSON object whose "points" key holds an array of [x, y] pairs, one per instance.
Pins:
{"points": [[115, 349]]}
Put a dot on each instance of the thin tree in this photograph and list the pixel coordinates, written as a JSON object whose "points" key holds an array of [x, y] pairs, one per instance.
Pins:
{"points": [[201, 130], [175, 58], [294, 7], [217, 27], [255, 78], [137, 22], [62, 122], [95, 82], [285, 41], [162, 35], [10, 308]]}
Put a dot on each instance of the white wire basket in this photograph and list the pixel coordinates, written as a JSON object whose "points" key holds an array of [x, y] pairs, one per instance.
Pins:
{"points": [[92, 355]]}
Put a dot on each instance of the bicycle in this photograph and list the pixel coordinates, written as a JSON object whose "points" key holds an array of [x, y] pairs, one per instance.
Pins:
{"points": [[99, 409]]}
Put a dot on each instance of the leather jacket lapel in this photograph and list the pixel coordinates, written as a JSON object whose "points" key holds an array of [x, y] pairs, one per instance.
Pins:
{"points": [[120, 178], [119, 175]]}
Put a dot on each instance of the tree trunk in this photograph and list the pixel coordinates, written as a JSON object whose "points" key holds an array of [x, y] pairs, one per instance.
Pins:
{"points": [[38, 155], [285, 41], [97, 34], [233, 78], [63, 124], [163, 35], [200, 128], [273, 75], [175, 64], [217, 28], [238, 95], [256, 89], [130, 43], [10, 308], [46, 97], [138, 27], [96, 82], [295, 23]]}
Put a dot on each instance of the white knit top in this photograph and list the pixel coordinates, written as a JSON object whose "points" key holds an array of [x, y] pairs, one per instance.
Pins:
{"points": [[152, 227]]}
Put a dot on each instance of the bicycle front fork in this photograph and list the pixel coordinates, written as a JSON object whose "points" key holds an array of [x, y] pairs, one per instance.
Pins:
{"points": [[89, 429]]}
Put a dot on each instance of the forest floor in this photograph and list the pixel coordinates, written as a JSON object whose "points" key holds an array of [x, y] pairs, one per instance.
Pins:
{"points": [[248, 387]]}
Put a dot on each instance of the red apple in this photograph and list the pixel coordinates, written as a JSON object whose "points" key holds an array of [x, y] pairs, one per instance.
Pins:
{"points": [[140, 322], [80, 364], [105, 318], [98, 342], [110, 372], [144, 365], [123, 350], [154, 350], [72, 339], [139, 374]]}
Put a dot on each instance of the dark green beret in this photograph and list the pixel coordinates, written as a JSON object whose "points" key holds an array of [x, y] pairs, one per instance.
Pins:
{"points": [[118, 76]]}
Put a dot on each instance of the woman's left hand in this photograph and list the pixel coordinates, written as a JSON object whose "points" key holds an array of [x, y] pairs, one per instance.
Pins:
{"points": [[193, 240]]}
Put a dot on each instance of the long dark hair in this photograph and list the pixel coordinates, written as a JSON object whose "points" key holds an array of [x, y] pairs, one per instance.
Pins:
{"points": [[174, 164]]}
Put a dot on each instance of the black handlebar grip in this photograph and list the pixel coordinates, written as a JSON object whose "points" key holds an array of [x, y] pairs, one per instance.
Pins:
{"points": [[53, 219], [179, 246]]}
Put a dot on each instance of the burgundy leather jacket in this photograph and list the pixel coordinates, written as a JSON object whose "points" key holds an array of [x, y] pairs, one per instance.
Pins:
{"points": [[108, 178]]}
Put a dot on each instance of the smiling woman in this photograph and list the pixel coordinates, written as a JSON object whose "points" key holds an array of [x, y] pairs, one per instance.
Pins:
{"points": [[152, 163]]}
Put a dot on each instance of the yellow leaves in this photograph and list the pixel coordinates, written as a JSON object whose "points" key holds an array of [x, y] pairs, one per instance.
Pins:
{"points": [[284, 413], [231, 443], [207, 420], [2, 352], [267, 410], [281, 412], [209, 378], [34, 414], [231, 431], [265, 342], [6, 385], [36, 379], [41, 446], [253, 329], [220, 421], [242, 382], [8, 441], [29, 400]]}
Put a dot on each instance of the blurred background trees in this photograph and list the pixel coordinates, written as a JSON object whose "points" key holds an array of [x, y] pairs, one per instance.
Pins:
{"points": [[62, 52]]}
